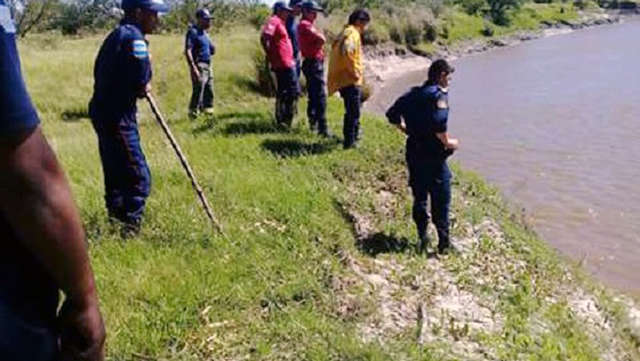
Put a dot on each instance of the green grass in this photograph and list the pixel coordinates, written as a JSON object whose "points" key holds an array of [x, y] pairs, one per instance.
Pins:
{"points": [[179, 291]]}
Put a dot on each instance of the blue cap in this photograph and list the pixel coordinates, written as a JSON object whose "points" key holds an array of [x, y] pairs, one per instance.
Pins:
{"points": [[293, 3], [312, 5], [153, 5], [203, 14], [280, 5]]}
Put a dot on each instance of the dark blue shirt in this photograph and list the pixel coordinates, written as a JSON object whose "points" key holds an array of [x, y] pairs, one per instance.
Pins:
{"points": [[292, 30], [201, 46], [425, 110], [16, 111], [28, 296], [121, 71]]}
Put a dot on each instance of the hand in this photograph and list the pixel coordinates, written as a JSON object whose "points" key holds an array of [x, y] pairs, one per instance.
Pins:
{"points": [[82, 332], [195, 75], [453, 144], [144, 90]]}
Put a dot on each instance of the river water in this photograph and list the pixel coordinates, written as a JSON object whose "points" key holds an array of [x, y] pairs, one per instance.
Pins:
{"points": [[555, 124]]}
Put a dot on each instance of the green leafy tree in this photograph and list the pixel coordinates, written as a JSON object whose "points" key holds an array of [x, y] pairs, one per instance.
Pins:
{"points": [[498, 10]]}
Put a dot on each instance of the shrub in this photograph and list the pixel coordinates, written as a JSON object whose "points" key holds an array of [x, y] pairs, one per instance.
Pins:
{"points": [[376, 34], [395, 33], [412, 33], [259, 17], [498, 10], [488, 30], [473, 7], [265, 84], [430, 32]]}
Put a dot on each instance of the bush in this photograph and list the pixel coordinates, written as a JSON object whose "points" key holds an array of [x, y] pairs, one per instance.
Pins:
{"points": [[395, 33], [412, 33], [259, 17], [473, 7], [265, 84], [376, 34], [430, 32], [488, 30], [498, 10]]}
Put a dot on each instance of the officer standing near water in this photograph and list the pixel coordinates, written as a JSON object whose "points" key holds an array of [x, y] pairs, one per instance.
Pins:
{"points": [[312, 42], [198, 50], [42, 243], [122, 75], [422, 114]]}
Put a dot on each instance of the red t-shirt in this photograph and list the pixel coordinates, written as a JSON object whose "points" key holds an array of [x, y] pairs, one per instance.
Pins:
{"points": [[280, 51], [311, 41]]}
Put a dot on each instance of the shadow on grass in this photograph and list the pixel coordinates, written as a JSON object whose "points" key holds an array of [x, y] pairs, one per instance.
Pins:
{"points": [[74, 115], [382, 243], [247, 83], [295, 148], [243, 123]]}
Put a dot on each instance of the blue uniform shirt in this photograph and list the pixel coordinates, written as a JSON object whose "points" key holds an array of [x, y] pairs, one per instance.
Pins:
{"points": [[28, 296], [121, 71], [292, 30], [16, 111], [200, 44], [425, 110]]}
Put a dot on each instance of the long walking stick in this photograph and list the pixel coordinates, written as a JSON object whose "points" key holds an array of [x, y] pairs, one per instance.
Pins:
{"points": [[185, 164]]}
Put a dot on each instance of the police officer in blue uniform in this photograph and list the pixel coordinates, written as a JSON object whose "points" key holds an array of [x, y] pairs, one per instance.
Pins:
{"points": [[422, 113], [122, 74], [292, 30], [42, 242], [198, 50]]}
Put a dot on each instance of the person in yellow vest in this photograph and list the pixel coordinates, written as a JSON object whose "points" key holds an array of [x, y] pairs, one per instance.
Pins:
{"points": [[346, 73]]}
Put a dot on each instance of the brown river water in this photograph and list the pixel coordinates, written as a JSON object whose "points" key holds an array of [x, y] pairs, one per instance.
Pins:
{"points": [[555, 124]]}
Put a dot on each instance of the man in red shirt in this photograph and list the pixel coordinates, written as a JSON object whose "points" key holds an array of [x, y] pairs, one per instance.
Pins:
{"points": [[312, 42], [277, 45]]}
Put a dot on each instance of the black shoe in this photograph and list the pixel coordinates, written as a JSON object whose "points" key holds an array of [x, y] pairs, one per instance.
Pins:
{"points": [[423, 245], [350, 145], [313, 127], [448, 249]]}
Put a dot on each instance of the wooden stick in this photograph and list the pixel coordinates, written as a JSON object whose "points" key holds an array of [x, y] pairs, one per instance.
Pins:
{"points": [[185, 164]]}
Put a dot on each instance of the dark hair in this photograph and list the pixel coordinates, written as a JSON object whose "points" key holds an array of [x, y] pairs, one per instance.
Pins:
{"points": [[359, 15], [438, 67]]}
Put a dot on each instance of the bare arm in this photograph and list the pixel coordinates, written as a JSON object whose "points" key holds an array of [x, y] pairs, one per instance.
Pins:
{"points": [[448, 142], [265, 41], [192, 64], [36, 200]]}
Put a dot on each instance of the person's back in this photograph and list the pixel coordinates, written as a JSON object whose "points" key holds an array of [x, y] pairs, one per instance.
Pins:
{"points": [[419, 109], [120, 70]]}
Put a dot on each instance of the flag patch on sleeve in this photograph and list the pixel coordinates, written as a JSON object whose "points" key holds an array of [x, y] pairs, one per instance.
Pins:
{"points": [[5, 20], [140, 50]]}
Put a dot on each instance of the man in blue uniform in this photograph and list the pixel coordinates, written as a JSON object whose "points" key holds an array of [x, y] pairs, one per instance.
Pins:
{"points": [[122, 74], [422, 114], [292, 30], [198, 50], [42, 243]]}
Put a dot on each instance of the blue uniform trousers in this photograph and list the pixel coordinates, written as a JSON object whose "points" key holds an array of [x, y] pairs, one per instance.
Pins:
{"points": [[430, 178], [286, 95], [352, 97], [127, 178], [317, 106]]}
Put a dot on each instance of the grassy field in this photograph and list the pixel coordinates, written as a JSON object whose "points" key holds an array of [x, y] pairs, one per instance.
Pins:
{"points": [[293, 207]]}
